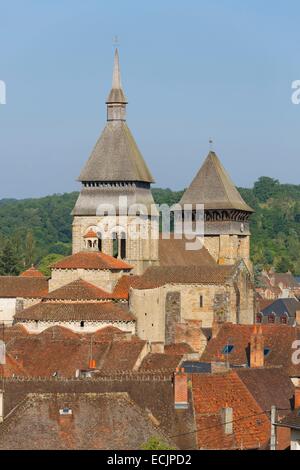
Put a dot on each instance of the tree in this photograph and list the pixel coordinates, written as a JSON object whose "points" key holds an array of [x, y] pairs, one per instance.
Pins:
{"points": [[29, 249], [9, 261], [265, 188], [47, 261], [155, 443]]}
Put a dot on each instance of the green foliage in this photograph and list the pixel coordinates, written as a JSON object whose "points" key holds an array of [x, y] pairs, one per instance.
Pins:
{"points": [[47, 261], [9, 261], [154, 443], [40, 227]]}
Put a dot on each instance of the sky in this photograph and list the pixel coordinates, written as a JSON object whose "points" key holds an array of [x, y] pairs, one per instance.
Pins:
{"points": [[192, 70]]}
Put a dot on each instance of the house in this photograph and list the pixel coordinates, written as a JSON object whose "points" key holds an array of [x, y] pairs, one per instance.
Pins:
{"points": [[283, 311], [90, 421], [255, 346], [292, 421], [18, 292], [232, 408]]}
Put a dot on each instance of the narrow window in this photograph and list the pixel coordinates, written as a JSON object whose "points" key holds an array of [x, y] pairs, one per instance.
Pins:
{"points": [[82, 324], [258, 318], [115, 245], [271, 318], [123, 247], [201, 301]]}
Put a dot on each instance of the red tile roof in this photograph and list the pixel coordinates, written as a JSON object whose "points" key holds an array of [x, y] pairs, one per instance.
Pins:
{"points": [[123, 285], [178, 349], [80, 290], [91, 260], [32, 272], [278, 338], [156, 276], [76, 311], [211, 393], [57, 351], [161, 361], [23, 287], [90, 234]]}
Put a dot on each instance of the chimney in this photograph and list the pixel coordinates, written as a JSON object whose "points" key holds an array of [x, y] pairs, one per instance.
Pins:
{"points": [[180, 390], [92, 364], [297, 398], [227, 418], [257, 348], [297, 317], [1, 407]]}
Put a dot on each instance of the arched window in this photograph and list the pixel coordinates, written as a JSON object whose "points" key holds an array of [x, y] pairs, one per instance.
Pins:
{"points": [[115, 245], [271, 318], [123, 247], [99, 243], [259, 318], [283, 319]]}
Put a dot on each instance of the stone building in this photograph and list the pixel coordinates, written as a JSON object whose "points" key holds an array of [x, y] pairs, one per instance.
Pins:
{"points": [[114, 178], [226, 215]]}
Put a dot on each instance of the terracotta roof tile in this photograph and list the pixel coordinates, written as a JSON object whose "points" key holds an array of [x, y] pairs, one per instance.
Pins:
{"points": [[156, 276], [80, 290], [161, 361], [75, 311], [32, 272], [211, 393], [277, 338], [90, 234], [26, 287], [123, 285], [91, 260]]}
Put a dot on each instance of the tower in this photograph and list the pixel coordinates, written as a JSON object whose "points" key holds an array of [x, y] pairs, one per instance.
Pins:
{"points": [[226, 215], [115, 202]]}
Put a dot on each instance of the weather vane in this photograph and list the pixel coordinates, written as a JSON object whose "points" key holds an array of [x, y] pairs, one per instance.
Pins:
{"points": [[116, 41]]}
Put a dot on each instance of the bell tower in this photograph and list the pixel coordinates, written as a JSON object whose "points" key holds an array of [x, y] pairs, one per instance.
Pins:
{"points": [[115, 211], [226, 215]]}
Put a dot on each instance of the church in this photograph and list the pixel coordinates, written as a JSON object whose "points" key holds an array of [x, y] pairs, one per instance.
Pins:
{"points": [[141, 281]]}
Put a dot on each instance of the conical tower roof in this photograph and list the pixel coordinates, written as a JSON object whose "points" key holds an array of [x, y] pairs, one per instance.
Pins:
{"points": [[116, 156], [213, 187]]}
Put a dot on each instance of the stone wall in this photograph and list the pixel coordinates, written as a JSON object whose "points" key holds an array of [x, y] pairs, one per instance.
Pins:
{"points": [[89, 326], [141, 250], [99, 277], [172, 315]]}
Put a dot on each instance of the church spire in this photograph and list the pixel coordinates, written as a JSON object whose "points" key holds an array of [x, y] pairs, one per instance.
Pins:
{"points": [[116, 101]]}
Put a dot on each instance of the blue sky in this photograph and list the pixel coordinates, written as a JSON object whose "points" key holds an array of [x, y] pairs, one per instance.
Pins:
{"points": [[192, 70]]}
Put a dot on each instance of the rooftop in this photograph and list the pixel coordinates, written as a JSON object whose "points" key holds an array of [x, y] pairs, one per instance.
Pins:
{"points": [[91, 260], [23, 286]]}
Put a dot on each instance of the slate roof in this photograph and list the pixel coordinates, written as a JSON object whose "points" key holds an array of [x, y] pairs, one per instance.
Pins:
{"points": [[292, 420], [76, 311], [213, 187], [277, 338], [23, 287], [98, 421], [91, 260], [282, 306]]}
